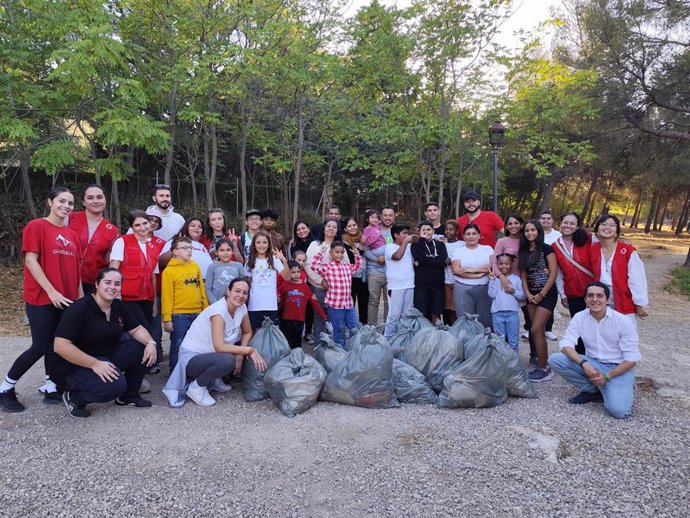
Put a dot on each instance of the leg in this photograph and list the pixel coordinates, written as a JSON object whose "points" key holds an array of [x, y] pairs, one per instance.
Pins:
{"points": [[618, 392], [449, 315], [157, 333], [337, 318], [127, 357], [360, 294], [463, 302], [575, 305], [86, 387], [292, 329], [375, 283], [483, 304], [512, 328], [549, 323], [206, 368], [539, 317], [309, 320], [397, 303], [420, 300], [571, 372], [181, 323], [351, 320], [318, 321], [499, 322]]}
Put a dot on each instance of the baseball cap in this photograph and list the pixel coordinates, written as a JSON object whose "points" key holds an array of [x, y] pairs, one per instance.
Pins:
{"points": [[472, 194]]}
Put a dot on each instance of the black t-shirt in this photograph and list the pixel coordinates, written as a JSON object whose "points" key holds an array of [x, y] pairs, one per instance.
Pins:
{"points": [[537, 273], [440, 230]]}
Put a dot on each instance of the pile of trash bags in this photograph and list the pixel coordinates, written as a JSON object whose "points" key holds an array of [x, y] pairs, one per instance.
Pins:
{"points": [[461, 366]]}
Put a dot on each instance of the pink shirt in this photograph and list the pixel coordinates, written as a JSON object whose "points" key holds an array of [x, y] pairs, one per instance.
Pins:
{"points": [[508, 245], [373, 237]]}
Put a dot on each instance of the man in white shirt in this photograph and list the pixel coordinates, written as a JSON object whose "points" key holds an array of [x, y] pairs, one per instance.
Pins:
{"points": [[612, 351], [171, 221]]}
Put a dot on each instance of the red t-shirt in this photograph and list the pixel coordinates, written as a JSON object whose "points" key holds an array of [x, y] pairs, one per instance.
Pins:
{"points": [[489, 224], [294, 298], [59, 256]]}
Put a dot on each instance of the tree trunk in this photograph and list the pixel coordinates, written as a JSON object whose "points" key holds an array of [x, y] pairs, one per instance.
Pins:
{"points": [[115, 202], [547, 193], [586, 208], [26, 181], [442, 177], [298, 165], [564, 196], [661, 215], [170, 154], [683, 214], [687, 260], [652, 212], [591, 210], [638, 208], [627, 213], [213, 166], [458, 193]]}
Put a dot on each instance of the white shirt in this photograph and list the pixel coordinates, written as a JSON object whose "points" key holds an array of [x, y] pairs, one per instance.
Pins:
{"points": [[117, 252], [199, 337], [200, 255], [473, 258], [551, 237], [171, 222], [613, 339], [399, 274], [450, 247], [263, 294]]}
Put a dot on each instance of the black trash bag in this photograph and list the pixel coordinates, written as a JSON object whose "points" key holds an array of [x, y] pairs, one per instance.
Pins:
{"points": [[517, 382], [476, 344], [365, 376], [466, 327], [272, 346], [411, 322], [295, 382], [410, 385], [435, 353], [328, 353], [479, 382]]}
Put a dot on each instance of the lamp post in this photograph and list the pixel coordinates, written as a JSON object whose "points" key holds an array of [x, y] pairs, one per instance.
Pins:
{"points": [[496, 131]]}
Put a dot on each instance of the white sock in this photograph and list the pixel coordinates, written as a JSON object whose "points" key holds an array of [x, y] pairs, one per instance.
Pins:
{"points": [[7, 384], [48, 386]]}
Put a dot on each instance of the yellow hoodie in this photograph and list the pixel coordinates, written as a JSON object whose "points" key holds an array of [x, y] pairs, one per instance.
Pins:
{"points": [[182, 289]]}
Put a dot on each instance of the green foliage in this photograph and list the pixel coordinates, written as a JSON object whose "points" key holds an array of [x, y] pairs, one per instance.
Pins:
{"points": [[56, 156], [681, 280]]}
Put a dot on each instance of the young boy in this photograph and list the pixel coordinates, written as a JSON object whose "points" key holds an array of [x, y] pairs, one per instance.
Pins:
{"points": [[399, 276], [294, 296], [269, 217], [429, 256], [253, 220], [452, 243], [183, 294], [505, 308], [341, 310]]}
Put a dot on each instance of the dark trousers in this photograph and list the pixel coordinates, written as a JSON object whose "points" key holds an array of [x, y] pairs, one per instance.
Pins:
{"points": [[205, 368], [292, 330], [86, 387], [576, 305], [43, 321], [142, 311], [309, 320], [360, 296]]}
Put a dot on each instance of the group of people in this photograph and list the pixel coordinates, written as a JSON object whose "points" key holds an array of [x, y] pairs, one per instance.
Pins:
{"points": [[97, 301]]}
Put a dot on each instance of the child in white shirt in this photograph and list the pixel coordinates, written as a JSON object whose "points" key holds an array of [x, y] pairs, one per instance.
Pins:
{"points": [[505, 307]]}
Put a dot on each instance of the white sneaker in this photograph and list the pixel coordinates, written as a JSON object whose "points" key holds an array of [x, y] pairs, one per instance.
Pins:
{"points": [[145, 387], [48, 387], [220, 386], [551, 336], [525, 335], [200, 395]]}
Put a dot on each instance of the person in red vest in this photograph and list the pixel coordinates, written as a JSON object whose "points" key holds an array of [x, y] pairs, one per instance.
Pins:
{"points": [[95, 234], [618, 266], [488, 221], [136, 256]]}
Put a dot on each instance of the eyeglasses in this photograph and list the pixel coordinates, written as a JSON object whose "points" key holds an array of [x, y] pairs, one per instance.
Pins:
{"points": [[607, 225], [184, 248]]}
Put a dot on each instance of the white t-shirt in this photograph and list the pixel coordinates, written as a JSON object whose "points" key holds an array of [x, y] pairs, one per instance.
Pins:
{"points": [[263, 294], [199, 338], [474, 258], [399, 274], [551, 237], [117, 252], [450, 278], [200, 255]]}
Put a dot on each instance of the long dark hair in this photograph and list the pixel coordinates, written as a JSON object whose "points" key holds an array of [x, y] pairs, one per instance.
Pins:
{"points": [[322, 231], [299, 243], [184, 231], [580, 236], [208, 231], [530, 257]]}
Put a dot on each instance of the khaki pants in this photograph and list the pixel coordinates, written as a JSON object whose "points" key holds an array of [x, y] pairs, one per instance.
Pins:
{"points": [[377, 288]]}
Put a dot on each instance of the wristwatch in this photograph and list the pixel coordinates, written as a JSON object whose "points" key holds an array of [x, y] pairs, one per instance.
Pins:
{"points": [[583, 360]]}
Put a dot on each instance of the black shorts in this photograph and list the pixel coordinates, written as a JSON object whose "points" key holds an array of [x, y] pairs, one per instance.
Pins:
{"points": [[430, 299], [550, 300]]}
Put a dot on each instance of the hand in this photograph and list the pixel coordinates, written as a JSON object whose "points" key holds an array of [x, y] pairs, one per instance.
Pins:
{"points": [[324, 284], [564, 302], [234, 238], [381, 259], [492, 275], [238, 365], [328, 327], [155, 309], [259, 362], [641, 311], [106, 371], [593, 374], [59, 300], [279, 255], [355, 251], [168, 327], [505, 282], [509, 289], [150, 354]]}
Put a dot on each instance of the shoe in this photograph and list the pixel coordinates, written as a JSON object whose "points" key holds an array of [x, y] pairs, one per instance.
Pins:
{"points": [[52, 398], [310, 339], [586, 397], [538, 375], [136, 401], [145, 387], [154, 370], [48, 386], [551, 336], [9, 402], [220, 386], [200, 395], [74, 409], [533, 361], [525, 335]]}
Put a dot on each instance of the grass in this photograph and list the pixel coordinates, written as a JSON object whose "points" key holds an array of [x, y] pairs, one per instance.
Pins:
{"points": [[681, 280]]}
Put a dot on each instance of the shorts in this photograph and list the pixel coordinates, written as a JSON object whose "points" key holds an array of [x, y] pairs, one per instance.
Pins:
{"points": [[550, 300]]}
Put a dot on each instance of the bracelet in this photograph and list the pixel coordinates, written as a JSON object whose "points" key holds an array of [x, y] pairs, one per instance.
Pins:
{"points": [[582, 361], [152, 342], [606, 377]]}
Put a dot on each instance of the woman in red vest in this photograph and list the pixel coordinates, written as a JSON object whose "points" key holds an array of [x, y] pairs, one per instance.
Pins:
{"points": [[136, 256], [95, 235], [618, 265]]}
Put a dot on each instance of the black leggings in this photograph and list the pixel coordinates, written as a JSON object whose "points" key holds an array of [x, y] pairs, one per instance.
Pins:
{"points": [[575, 305], [205, 368], [360, 295], [43, 321]]}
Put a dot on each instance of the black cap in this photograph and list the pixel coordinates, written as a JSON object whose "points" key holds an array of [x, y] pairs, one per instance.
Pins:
{"points": [[252, 212], [471, 194]]}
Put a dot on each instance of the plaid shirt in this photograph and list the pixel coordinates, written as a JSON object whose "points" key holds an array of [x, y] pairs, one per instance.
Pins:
{"points": [[339, 278]]}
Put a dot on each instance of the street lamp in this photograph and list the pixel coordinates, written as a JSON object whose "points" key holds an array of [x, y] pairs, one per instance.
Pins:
{"points": [[496, 131]]}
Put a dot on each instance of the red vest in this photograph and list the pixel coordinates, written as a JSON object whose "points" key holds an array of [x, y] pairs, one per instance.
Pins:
{"points": [[622, 297], [575, 280], [137, 270], [96, 250]]}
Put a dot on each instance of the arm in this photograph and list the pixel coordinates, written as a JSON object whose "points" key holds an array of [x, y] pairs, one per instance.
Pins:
{"points": [[285, 272], [210, 277], [470, 273], [528, 295], [219, 345], [637, 282], [202, 287], [316, 264], [57, 298], [166, 300], [494, 287], [398, 254], [518, 292], [317, 307], [141, 335], [358, 261]]}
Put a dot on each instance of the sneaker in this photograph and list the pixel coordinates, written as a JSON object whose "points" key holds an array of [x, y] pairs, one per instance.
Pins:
{"points": [[525, 335], [48, 386], [200, 395], [145, 387], [534, 361], [9, 402], [586, 397], [220, 386], [551, 336], [310, 339], [52, 398], [154, 370], [74, 409], [538, 375], [136, 401]]}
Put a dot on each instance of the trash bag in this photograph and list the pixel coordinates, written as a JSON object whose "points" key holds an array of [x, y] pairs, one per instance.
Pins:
{"points": [[272, 346], [328, 353], [294, 382], [411, 322], [517, 382], [479, 382], [466, 327], [476, 344], [354, 338], [365, 376], [435, 353], [410, 385]]}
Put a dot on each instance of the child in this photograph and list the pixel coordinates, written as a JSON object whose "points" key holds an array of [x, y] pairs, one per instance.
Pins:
{"points": [[301, 258], [262, 268], [183, 294], [294, 295], [399, 276], [156, 223], [338, 275], [253, 219], [452, 243], [221, 272], [373, 237], [429, 257], [505, 308]]}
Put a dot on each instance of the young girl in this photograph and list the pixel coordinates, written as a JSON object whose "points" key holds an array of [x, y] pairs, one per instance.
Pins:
{"points": [[221, 272], [301, 258], [263, 270], [506, 292], [217, 230], [338, 275]]}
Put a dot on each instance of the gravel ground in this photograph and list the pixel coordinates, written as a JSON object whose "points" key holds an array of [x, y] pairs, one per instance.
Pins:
{"points": [[525, 458]]}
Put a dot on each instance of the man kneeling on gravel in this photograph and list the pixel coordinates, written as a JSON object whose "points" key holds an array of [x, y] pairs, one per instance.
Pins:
{"points": [[605, 371]]}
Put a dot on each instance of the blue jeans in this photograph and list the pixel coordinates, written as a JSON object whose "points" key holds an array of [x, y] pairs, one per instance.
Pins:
{"points": [[339, 319], [181, 323], [617, 393], [507, 326]]}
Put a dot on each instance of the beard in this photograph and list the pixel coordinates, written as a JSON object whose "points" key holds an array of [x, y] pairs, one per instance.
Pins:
{"points": [[163, 204]]}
